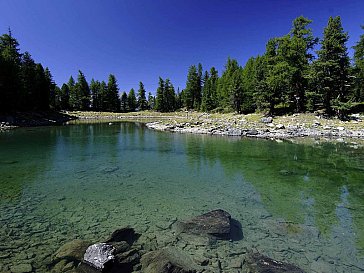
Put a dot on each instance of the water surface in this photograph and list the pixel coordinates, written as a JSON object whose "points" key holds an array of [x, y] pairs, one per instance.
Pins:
{"points": [[299, 203]]}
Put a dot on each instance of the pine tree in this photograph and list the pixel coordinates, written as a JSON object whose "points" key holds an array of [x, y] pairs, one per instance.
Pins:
{"points": [[142, 101], [230, 86], [160, 99], [193, 87], [51, 92], [27, 78], [299, 57], [9, 72], [358, 94], [151, 101], [132, 101], [124, 102], [64, 97], [333, 67], [169, 96], [83, 91], [74, 96], [95, 87], [113, 94], [42, 89], [249, 83]]}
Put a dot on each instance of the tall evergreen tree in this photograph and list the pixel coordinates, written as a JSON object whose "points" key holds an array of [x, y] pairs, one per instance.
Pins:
{"points": [[83, 90], [359, 69], [193, 87], [95, 89], [113, 94], [9, 72], [74, 96], [160, 99], [151, 101], [64, 97], [230, 87], [299, 55], [142, 100], [28, 99], [124, 102], [51, 92], [169, 96], [333, 67], [132, 101]]}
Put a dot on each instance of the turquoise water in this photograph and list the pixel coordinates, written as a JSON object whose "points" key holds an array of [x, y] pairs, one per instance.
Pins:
{"points": [[300, 203]]}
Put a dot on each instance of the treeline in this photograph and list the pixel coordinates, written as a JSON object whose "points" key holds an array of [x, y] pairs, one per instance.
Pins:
{"points": [[24, 84], [291, 76]]}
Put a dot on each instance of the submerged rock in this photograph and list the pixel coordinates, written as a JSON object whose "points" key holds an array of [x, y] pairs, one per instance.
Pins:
{"points": [[123, 234], [72, 251], [216, 223], [21, 268], [168, 260], [99, 255], [258, 263]]}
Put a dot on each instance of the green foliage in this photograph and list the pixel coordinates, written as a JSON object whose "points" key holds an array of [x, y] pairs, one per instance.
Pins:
{"points": [[112, 95], [142, 100], [166, 97], [132, 101], [358, 71], [209, 92], [192, 92], [124, 102], [332, 66]]}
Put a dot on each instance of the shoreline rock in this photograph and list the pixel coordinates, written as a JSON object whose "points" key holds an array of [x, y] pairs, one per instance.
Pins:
{"points": [[279, 131]]}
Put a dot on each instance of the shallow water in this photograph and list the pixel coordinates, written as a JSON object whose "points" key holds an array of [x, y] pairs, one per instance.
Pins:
{"points": [[303, 204]]}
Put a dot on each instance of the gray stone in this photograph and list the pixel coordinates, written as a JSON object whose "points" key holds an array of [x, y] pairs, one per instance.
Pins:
{"points": [[21, 268], [258, 263], [99, 255], [234, 132], [216, 223], [168, 260], [280, 126], [267, 120], [72, 251]]}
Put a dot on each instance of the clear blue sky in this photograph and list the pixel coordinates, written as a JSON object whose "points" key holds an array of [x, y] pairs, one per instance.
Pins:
{"points": [[141, 40]]}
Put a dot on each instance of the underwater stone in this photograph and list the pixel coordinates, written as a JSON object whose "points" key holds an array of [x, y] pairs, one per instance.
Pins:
{"points": [[216, 223], [166, 260], [258, 263], [98, 255], [72, 251], [21, 268]]}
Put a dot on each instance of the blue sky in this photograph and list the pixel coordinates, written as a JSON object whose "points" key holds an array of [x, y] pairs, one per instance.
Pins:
{"points": [[141, 40]]}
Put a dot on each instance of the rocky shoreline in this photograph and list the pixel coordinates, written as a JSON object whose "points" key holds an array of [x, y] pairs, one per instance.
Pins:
{"points": [[33, 119], [266, 128]]}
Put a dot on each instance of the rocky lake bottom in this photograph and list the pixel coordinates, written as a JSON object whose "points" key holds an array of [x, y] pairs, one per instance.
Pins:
{"points": [[295, 203]]}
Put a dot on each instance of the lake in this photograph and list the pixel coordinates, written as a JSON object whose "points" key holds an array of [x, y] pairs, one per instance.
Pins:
{"points": [[300, 203]]}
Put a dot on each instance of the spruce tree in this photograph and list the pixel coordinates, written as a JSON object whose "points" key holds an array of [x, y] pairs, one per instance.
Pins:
{"points": [[95, 87], [132, 101], [142, 100], [64, 97], [9, 72], [169, 96], [193, 87], [113, 94], [151, 101], [333, 67], [124, 102], [160, 99], [83, 91], [358, 89]]}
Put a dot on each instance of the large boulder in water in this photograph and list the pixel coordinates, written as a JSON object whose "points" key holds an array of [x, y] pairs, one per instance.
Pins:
{"points": [[216, 223], [168, 260], [123, 234], [258, 263]]}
